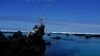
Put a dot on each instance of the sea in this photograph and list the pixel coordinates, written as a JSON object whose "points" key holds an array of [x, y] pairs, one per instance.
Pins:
{"points": [[70, 45]]}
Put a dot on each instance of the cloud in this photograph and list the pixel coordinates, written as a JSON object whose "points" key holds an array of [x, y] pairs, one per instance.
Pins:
{"points": [[72, 23], [47, 21]]}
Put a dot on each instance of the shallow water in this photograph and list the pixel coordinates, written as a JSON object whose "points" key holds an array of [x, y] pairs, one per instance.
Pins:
{"points": [[71, 46]]}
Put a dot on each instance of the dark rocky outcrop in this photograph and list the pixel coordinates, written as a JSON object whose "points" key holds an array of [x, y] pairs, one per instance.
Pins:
{"points": [[22, 45]]}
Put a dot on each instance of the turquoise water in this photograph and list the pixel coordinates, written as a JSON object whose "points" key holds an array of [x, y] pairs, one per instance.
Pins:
{"points": [[72, 46]]}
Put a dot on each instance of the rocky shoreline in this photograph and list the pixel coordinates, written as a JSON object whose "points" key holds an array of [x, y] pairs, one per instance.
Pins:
{"points": [[22, 45]]}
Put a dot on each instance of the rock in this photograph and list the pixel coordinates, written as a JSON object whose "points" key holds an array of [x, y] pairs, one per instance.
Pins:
{"points": [[87, 37], [67, 34], [95, 35], [48, 43], [57, 38], [21, 45], [49, 34], [79, 34]]}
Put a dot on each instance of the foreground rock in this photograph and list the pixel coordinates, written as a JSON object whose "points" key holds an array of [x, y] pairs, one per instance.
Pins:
{"points": [[19, 45]]}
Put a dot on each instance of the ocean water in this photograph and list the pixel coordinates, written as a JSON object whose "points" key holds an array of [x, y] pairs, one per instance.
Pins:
{"points": [[71, 45]]}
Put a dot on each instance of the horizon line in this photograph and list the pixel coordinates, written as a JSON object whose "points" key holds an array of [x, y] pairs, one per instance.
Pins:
{"points": [[52, 32]]}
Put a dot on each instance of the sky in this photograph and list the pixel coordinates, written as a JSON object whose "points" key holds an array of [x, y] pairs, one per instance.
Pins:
{"points": [[59, 15]]}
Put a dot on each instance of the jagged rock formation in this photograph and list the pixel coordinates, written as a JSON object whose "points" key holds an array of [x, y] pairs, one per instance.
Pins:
{"points": [[19, 45]]}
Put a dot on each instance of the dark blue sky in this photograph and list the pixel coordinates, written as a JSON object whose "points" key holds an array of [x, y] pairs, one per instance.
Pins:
{"points": [[60, 15]]}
